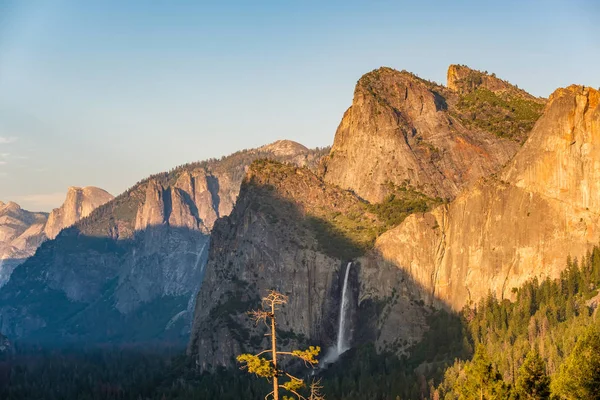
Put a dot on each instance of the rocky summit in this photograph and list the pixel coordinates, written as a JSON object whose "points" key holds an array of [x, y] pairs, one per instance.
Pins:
{"points": [[21, 232], [80, 202]]}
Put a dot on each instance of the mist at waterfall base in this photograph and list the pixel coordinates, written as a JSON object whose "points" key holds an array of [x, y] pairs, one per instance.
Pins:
{"points": [[334, 352]]}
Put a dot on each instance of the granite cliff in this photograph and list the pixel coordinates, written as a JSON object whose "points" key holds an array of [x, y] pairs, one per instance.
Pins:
{"points": [[293, 232], [520, 224], [403, 130], [80, 202], [135, 262]]}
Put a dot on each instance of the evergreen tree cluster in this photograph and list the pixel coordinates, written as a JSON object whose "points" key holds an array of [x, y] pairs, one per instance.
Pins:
{"points": [[543, 345], [546, 344]]}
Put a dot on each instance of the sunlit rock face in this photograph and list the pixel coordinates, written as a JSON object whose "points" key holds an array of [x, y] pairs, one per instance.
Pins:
{"points": [[503, 231], [136, 262], [80, 202], [403, 130]]}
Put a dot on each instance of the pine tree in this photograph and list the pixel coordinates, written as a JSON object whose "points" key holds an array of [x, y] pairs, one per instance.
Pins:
{"points": [[579, 376], [483, 381], [533, 383], [270, 368]]}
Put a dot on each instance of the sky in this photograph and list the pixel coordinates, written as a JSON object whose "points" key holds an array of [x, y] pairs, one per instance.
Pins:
{"points": [[105, 93]]}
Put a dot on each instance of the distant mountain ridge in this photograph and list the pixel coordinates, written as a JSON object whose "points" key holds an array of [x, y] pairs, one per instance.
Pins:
{"points": [[135, 262]]}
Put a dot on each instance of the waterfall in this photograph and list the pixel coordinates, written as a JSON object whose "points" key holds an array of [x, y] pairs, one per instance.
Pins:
{"points": [[341, 339]]}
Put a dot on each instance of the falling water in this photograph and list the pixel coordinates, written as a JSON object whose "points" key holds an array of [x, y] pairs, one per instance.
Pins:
{"points": [[341, 346], [341, 339]]}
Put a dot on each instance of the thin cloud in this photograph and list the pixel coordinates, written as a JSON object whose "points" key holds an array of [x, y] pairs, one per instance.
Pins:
{"points": [[7, 139], [2, 162]]}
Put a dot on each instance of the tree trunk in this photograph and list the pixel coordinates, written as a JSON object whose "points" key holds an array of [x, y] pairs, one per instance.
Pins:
{"points": [[274, 350]]}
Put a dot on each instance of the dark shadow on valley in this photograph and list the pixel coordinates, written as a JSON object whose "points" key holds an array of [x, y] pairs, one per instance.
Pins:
{"points": [[445, 340], [92, 336], [65, 295]]}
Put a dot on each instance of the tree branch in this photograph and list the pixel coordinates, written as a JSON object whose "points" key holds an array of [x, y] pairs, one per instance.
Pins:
{"points": [[300, 397]]}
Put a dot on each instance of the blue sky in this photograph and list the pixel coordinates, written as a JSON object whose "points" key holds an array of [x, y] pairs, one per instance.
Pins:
{"points": [[105, 93]]}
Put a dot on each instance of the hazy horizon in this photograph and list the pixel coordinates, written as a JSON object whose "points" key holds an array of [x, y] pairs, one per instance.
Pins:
{"points": [[106, 93]]}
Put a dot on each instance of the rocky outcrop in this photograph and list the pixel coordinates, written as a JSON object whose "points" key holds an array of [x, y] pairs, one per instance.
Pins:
{"points": [[135, 262], [152, 211], [80, 202], [522, 224], [279, 236], [405, 131], [197, 188]]}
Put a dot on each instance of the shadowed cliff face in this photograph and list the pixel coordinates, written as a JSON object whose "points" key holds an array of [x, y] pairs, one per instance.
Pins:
{"points": [[137, 261], [402, 130], [279, 236], [101, 290], [502, 232]]}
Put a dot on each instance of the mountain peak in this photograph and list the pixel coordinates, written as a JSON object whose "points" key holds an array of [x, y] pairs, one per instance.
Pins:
{"points": [[284, 148], [592, 95], [79, 203], [11, 205], [379, 80]]}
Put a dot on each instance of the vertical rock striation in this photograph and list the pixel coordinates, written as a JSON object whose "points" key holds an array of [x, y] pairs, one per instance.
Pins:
{"points": [[506, 230]]}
